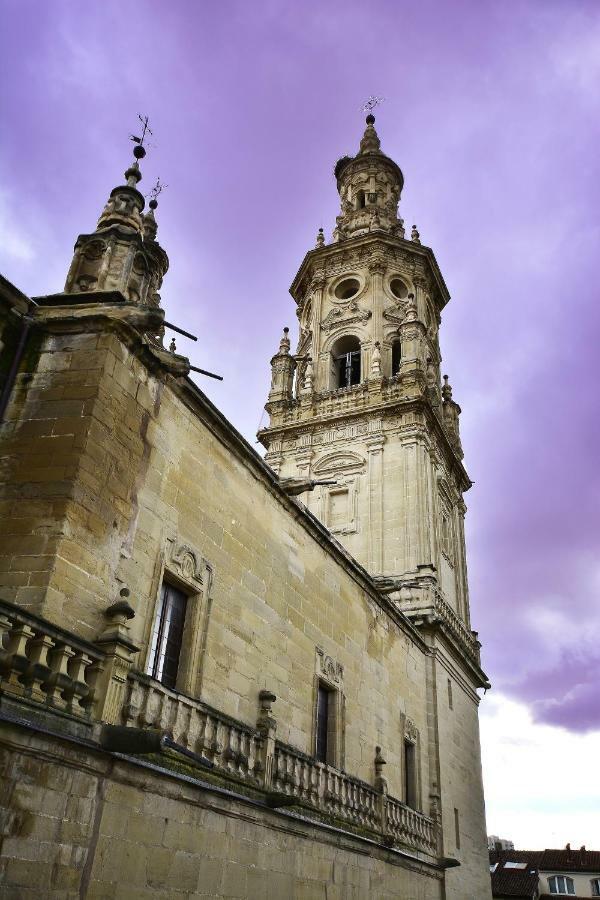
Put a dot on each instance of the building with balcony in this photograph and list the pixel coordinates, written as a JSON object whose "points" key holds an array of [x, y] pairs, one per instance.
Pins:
{"points": [[221, 675]]}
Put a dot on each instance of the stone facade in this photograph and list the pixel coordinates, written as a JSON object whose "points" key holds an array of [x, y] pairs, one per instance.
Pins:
{"points": [[119, 477]]}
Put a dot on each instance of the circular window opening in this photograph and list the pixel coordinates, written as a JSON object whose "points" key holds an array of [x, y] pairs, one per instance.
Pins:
{"points": [[398, 288], [347, 288]]}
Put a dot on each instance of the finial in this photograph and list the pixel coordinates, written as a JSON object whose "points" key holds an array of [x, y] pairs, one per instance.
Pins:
{"points": [[133, 174], [172, 347], [150, 226], [376, 361], [320, 238], [307, 386], [401, 228], [414, 235], [284, 343], [446, 389]]}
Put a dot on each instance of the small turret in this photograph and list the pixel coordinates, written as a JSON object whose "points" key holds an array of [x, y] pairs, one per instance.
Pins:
{"points": [[282, 372], [122, 254]]}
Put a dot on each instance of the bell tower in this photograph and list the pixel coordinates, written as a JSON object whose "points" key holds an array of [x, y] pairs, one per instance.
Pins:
{"points": [[362, 403]]}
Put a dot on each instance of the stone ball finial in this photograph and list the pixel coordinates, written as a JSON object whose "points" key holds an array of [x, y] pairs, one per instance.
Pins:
{"points": [[320, 238], [370, 120], [172, 346], [153, 204]]}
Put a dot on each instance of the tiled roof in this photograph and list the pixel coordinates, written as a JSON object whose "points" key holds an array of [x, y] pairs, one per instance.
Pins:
{"points": [[521, 883], [570, 861]]}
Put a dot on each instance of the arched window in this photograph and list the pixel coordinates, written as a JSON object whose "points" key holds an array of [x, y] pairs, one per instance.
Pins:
{"points": [[396, 356], [345, 362], [360, 200], [561, 884]]}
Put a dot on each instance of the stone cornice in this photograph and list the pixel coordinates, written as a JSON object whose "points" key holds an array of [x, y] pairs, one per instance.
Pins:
{"points": [[315, 259], [316, 420]]}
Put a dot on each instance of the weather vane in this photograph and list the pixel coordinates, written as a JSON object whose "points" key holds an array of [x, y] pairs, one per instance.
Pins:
{"points": [[372, 102], [140, 140], [157, 190]]}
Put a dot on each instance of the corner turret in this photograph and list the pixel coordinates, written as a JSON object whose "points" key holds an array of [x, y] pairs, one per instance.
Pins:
{"points": [[122, 254]]}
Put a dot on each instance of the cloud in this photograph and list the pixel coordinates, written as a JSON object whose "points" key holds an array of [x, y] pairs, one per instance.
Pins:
{"points": [[540, 784]]}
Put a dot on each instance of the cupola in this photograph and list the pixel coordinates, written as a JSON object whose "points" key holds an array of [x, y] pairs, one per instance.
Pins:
{"points": [[369, 185]]}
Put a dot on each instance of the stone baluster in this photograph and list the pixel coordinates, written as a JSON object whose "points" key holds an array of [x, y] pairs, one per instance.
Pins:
{"points": [[78, 690], [38, 670], [267, 727], [59, 683]]}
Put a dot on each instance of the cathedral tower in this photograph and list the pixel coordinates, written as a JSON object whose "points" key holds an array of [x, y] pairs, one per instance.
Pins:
{"points": [[362, 422], [361, 403]]}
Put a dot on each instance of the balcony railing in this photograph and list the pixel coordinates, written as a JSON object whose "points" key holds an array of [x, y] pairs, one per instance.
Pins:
{"points": [[233, 748], [254, 756], [45, 664]]}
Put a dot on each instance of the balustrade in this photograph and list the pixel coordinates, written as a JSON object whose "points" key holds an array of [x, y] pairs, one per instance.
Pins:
{"points": [[233, 748], [45, 664]]}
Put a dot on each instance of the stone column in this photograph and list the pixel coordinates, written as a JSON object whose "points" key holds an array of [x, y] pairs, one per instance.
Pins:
{"points": [[375, 532], [104, 268], [267, 726], [120, 651], [461, 562], [320, 377], [377, 267]]}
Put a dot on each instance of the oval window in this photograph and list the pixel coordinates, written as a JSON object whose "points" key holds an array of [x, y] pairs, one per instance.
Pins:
{"points": [[398, 288], [347, 288]]}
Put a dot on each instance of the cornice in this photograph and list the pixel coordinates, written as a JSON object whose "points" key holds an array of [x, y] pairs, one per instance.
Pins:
{"points": [[316, 421], [317, 257]]}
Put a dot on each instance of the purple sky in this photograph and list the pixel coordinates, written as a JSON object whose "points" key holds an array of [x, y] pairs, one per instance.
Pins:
{"points": [[492, 112]]}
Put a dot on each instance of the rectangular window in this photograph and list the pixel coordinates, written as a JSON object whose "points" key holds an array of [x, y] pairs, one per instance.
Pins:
{"points": [[167, 636], [457, 828], [596, 887], [339, 508], [450, 703], [410, 775], [326, 723]]}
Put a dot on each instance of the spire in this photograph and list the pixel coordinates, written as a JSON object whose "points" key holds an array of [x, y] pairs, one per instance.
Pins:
{"points": [[370, 142], [122, 254], [125, 203], [369, 185]]}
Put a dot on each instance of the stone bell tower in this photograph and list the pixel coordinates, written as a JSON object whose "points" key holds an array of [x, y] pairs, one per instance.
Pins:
{"points": [[361, 402]]}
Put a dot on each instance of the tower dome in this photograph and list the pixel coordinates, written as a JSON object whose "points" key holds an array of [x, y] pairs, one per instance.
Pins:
{"points": [[369, 185]]}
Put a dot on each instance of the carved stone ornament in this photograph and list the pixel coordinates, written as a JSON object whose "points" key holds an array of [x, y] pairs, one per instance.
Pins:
{"points": [[329, 668], [345, 316], [411, 732], [396, 314], [187, 563]]}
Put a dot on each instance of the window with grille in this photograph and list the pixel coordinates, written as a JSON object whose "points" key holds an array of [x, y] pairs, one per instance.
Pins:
{"points": [[167, 636], [561, 884]]}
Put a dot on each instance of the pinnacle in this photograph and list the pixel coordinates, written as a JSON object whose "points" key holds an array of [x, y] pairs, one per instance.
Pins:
{"points": [[370, 142]]}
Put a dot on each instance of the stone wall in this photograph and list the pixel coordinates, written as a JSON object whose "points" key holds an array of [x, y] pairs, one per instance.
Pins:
{"points": [[119, 474], [81, 824]]}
